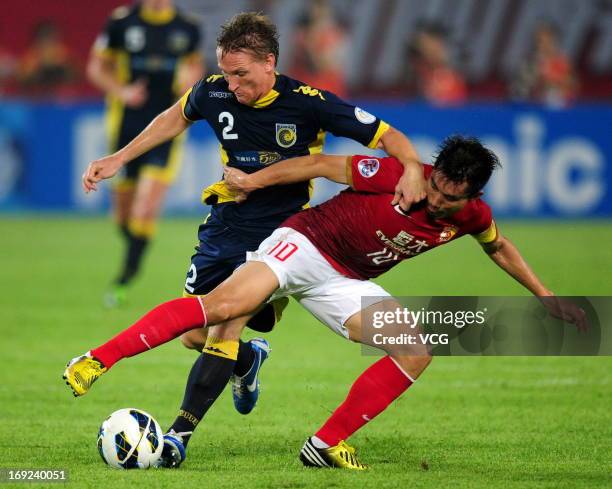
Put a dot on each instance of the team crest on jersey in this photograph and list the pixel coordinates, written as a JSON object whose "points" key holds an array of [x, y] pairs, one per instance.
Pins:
{"points": [[368, 167], [134, 38], [178, 41], [268, 157], [286, 135], [447, 233]]}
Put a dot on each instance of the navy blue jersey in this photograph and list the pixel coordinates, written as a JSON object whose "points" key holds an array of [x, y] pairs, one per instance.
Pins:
{"points": [[291, 120], [150, 47]]}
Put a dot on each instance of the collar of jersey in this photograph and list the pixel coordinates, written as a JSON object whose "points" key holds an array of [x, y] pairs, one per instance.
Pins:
{"points": [[269, 97], [157, 17]]}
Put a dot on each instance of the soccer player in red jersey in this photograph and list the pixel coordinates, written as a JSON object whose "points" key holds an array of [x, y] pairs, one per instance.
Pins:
{"points": [[324, 256]]}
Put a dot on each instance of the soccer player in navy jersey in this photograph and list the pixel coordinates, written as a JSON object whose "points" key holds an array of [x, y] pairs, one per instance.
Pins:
{"points": [[260, 118], [324, 258]]}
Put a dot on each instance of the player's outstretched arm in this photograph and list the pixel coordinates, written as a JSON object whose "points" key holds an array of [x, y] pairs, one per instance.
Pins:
{"points": [[165, 126], [509, 259], [300, 169], [503, 252], [411, 186]]}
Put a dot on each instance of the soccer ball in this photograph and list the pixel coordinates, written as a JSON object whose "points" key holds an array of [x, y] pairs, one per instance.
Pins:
{"points": [[130, 439]]}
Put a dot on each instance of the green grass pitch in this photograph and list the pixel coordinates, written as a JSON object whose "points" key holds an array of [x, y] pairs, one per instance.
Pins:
{"points": [[468, 422]]}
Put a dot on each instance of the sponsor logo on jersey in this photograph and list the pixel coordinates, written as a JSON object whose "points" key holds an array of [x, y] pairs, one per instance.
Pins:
{"points": [[447, 233], [246, 157], [368, 167], [220, 94], [363, 116], [307, 90], [286, 135], [134, 38], [268, 157], [403, 242], [254, 159], [178, 41]]}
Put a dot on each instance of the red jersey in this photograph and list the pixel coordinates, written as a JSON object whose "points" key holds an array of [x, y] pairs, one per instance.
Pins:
{"points": [[362, 235]]}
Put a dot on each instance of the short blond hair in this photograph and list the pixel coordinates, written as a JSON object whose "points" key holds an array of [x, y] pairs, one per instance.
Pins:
{"points": [[249, 31]]}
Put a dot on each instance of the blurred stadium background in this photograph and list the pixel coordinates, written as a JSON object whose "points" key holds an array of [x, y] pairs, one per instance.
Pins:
{"points": [[533, 79], [430, 68]]}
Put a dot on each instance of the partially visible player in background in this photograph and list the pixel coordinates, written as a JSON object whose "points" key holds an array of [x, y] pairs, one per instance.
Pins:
{"points": [[146, 57]]}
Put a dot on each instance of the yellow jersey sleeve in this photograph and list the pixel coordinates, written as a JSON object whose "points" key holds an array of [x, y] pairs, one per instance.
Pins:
{"points": [[184, 102], [383, 127], [488, 235]]}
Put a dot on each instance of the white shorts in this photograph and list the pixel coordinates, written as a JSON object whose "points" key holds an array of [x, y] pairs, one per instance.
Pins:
{"points": [[307, 276]]}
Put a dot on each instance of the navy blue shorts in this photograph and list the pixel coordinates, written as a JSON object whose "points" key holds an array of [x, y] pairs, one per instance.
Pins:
{"points": [[220, 251]]}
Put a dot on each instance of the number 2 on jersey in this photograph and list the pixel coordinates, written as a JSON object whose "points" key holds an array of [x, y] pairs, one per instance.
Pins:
{"points": [[227, 130], [192, 275]]}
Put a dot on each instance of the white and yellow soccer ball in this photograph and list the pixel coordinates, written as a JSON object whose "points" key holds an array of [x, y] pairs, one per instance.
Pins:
{"points": [[130, 439]]}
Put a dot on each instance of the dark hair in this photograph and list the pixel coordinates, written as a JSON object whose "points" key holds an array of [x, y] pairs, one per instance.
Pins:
{"points": [[250, 31], [465, 159]]}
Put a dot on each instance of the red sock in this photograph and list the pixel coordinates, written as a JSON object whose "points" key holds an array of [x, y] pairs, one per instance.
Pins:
{"points": [[372, 392], [158, 326]]}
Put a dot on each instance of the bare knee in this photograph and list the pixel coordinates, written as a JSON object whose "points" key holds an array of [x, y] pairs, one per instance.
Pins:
{"points": [[413, 365], [221, 309], [122, 203], [193, 340], [148, 200], [144, 213], [425, 361]]}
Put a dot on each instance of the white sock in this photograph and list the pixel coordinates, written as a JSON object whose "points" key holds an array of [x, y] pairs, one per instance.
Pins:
{"points": [[318, 443]]}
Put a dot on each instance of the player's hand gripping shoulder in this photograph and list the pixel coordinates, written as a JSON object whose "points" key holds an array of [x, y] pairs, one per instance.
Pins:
{"points": [[99, 170], [411, 187]]}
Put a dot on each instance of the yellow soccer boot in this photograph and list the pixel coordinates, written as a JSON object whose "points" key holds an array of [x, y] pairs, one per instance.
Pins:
{"points": [[341, 456], [81, 372]]}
